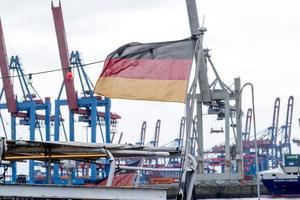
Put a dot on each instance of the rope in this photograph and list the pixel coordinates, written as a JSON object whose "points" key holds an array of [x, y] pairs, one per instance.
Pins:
{"points": [[50, 71]]}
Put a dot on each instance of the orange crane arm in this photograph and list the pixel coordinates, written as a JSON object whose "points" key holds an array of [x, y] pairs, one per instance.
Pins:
{"points": [[6, 79], [64, 56]]}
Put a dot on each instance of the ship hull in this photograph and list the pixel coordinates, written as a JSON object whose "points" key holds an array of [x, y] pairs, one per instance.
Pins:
{"points": [[283, 186]]}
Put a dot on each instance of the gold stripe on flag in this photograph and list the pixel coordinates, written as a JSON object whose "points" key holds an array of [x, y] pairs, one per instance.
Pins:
{"points": [[141, 89]]}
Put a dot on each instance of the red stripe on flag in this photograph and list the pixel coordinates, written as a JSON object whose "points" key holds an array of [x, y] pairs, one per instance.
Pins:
{"points": [[152, 69]]}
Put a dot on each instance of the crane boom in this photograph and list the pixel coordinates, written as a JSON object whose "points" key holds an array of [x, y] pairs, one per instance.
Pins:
{"points": [[275, 120], [6, 80], [64, 56], [274, 149], [143, 133], [156, 134], [246, 134], [288, 120]]}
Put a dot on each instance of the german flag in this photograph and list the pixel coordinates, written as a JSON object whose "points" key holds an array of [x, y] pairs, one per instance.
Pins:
{"points": [[150, 71]]}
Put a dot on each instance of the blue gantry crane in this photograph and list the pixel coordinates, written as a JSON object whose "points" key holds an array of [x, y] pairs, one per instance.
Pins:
{"points": [[86, 105], [274, 142], [26, 107]]}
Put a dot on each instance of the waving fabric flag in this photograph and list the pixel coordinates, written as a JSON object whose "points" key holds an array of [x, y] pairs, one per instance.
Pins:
{"points": [[152, 71]]}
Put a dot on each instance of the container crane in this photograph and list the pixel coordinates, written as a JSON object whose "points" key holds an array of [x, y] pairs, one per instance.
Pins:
{"points": [[274, 129], [143, 134], [267, 141], [86, 105], [297, 140], [25, 108], [285, 131], [274, 141], [179, 141], [248, 144], [155, 140], [247, 131]]}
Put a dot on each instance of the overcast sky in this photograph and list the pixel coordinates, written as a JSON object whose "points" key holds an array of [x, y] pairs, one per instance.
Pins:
{"points": [[252, 39]]}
